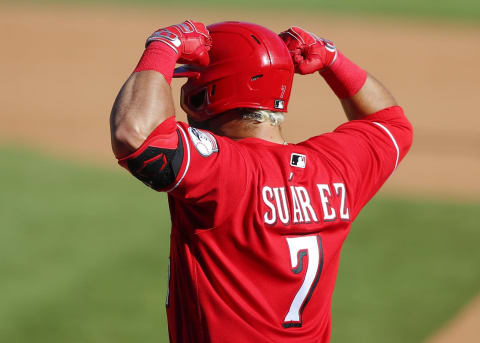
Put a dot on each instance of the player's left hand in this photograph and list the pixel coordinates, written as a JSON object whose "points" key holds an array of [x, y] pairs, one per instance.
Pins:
{"points": [[309, 52], [191, 40]]}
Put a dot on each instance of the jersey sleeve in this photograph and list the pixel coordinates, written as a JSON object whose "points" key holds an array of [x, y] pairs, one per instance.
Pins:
{"points": [[190, 164], [366, 152], [215, 167], [158, 161]]}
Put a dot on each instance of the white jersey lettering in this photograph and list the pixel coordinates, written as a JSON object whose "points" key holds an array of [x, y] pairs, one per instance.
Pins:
{"points": [[297, 212], [329, 213], [342, 192], [305, 204], [297, 207], [267, 195], [282, 207]]}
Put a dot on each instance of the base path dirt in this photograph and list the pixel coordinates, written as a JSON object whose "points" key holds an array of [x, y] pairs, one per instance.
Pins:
{"points": [[464, 328], [61, 69]]}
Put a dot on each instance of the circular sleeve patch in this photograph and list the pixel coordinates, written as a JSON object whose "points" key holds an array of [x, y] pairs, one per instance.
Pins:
{"points": [[204, 141]]}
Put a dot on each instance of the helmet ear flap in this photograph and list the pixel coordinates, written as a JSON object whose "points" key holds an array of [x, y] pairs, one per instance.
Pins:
{"points": [[194, 102], [198, 100]]}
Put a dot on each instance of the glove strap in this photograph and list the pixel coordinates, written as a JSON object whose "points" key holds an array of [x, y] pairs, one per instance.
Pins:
{"points": [[344, 77], [159, 57]]}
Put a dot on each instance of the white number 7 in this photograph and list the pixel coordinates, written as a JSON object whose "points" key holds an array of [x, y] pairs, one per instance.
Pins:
{"points": [[300, 247]]}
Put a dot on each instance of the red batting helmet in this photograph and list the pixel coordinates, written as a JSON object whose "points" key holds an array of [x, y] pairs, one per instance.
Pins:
{"points": [[250, 66]]}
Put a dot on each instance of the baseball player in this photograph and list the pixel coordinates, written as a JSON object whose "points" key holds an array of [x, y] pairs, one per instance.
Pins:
{"points": [[257, 223]]}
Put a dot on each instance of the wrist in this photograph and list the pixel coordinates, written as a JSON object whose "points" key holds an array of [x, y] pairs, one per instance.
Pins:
{"points": [[344, 77], [159, 57]]}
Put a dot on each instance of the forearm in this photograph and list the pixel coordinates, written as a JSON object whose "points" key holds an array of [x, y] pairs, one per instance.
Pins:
{"points": [[145, 100], [143, 103], [371, 98], [360, 93]]}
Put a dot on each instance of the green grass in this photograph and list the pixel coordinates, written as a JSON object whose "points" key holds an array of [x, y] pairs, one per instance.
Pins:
{"points": [[83, 254], [83, 258], [407, 266], [445, 9]]}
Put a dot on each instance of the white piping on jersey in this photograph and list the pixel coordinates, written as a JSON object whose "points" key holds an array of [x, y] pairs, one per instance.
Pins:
{"points": [[393, 140], [188, 159]]}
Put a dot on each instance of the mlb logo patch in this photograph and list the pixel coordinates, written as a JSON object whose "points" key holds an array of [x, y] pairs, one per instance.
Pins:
{"points": [[298, 160], [279, 104]]}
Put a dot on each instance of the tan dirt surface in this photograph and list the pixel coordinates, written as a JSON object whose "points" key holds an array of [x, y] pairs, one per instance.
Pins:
{"points": [[61, 69], [464, 328]]}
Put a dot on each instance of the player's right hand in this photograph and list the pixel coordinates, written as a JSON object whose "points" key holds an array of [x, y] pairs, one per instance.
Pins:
{"points": [[190, 40], [309, 52]]}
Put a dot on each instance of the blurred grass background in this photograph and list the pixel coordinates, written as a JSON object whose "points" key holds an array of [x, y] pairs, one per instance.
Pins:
{"points": [[443, 9], [83, 250], [84, 253]]}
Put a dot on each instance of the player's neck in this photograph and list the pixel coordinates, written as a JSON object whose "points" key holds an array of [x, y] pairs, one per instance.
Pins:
{"points": [[234, 127], [265, 131], [240, 128]]}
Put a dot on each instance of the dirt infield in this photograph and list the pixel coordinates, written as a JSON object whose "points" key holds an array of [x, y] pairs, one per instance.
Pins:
{"points": [[464, 328], [64, 67], [61, 69]]}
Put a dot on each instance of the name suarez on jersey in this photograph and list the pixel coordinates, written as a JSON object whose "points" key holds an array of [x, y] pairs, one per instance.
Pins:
{"points": [[293, 204]]}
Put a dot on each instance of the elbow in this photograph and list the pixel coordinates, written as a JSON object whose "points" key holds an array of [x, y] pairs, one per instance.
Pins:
{"points": [[125, 140], [403, 127], [410, 134], [407, 130]]}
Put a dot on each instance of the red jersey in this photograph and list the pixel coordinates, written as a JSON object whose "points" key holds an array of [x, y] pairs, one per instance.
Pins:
{"points": [[257, 227]]}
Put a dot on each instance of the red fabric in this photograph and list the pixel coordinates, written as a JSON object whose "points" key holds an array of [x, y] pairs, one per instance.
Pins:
{"points": [[231, 272], [364, 153], [344, 77], [190, 39], [164, 136], [235, 209], [159, 57], [309, 52]]}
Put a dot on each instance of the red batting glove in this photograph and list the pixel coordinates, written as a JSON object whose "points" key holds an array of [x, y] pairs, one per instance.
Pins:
{"points": [[309, 52], [190, 40]]}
